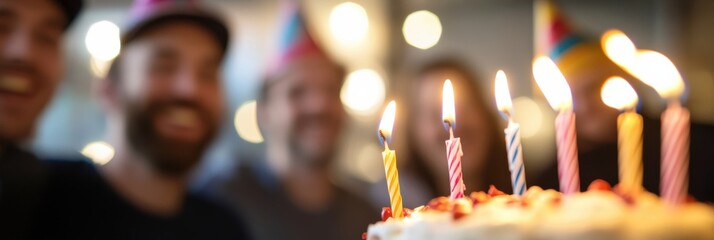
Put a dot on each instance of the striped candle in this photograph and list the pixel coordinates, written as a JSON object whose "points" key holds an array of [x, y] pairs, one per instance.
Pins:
{"points": [[567, 152], [675, 153], [390, 170], [515, 158], [453, 155], [453, 145], [513, 135], [384, 133]]}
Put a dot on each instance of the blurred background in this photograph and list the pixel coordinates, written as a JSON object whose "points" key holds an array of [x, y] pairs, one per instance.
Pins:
{"points": [[378, 41]]}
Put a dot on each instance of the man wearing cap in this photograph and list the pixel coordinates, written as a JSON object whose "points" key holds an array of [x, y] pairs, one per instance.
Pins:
{"points": [[164, 102], [290, 195], [31, 34]]}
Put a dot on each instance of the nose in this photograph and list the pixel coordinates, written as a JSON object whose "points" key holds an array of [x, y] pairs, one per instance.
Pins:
{"points": [[318, 101], [185, 84], [18, 47]]}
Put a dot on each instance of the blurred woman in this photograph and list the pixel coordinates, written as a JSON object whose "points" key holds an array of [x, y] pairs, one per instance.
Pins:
{"points": [[424, 173]]}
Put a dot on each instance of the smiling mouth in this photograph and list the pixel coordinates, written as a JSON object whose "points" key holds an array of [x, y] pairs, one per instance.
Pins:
{"points": [[15, 85], [182, 117]]}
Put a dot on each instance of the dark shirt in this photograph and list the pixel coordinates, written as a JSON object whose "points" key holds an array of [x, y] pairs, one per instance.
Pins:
{"points": [[22, 184], [601, 163], [82, 205], [272, 216]]}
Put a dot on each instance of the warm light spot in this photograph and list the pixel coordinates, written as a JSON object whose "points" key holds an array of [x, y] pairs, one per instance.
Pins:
{"points": [[246, 122], [657, 71], [503, 95], [363, 92], [529, 115], [619, 48], [99, 152], [387, 123], [553, 84], [103, 40], [618, 94], [422, 29], [349, 22], [99, 68]]}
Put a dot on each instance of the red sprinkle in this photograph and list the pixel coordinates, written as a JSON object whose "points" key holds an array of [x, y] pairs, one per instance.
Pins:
{"points": [[386, 213], [408, 212], [364, 236], [599, 185], [493, 191]]}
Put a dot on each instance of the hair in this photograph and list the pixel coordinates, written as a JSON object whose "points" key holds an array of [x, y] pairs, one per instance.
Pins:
{"points": [[495, 170]]}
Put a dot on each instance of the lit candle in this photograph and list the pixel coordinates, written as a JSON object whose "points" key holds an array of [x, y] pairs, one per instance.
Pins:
{"points": [[513, 135], [453, 145], [657, 71], [618, 94], [556, 90], [390, 159]]}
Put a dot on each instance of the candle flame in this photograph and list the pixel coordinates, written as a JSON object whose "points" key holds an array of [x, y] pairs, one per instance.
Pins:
{"points": [[448, 114], [657, 71], [503, 95], [619, 48], [553, 84], [385, 126], [618, 94]]}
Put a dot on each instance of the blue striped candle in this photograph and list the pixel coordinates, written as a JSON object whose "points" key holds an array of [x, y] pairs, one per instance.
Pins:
{"points": [[515, 158]]}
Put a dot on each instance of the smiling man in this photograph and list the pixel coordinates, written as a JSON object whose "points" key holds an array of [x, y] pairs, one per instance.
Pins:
{"points": [[31, 33], [164, 102]]}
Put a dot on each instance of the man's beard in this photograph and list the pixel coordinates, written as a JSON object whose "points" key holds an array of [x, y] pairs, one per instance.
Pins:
{"points": [[312, 156], [167, 156]]}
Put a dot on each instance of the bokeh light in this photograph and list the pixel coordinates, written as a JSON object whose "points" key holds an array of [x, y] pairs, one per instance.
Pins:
{"points": [[349, 22], [363, 92], [246, 122], [422, 29], [529, 114], [99, 152], [103, 40], [369, 166]]}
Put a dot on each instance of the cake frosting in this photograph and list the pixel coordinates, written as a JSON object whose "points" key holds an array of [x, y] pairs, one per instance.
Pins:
{"points": [[599, 213]]}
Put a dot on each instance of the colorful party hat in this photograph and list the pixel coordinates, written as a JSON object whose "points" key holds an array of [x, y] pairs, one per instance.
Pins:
{"points": [[294, 40], [555, 37]]}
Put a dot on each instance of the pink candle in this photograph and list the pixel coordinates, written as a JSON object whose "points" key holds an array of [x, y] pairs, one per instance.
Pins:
{"points": [[453, 145], [567, 152], [675, 153], [556, 90]]}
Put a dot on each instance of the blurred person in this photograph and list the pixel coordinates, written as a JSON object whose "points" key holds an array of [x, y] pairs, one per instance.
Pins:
{"points": [[425, 174], [31, 64], [164, 102], [289, 194], [586, 68]]}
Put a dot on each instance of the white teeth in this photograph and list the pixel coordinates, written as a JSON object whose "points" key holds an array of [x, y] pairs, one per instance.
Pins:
{"points": [[14, 84], [183, 117]]}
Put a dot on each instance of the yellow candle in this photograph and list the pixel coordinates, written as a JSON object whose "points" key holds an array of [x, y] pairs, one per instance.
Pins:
{"points": [[390, 160], [629, 143], [390, 170], [618, 94]]}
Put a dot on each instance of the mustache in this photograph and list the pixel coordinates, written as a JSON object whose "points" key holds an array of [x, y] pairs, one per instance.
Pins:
{"points": [[203, 114], [20, 67]]}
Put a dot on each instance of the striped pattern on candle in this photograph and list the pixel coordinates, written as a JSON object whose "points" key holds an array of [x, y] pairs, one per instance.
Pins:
{"points": [[675, 154], [390, 170], [515, 159], [453, 155], [568, 170]]}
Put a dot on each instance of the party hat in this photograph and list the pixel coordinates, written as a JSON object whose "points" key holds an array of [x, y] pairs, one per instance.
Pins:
{"points": [[295, 40], [556, 38]]}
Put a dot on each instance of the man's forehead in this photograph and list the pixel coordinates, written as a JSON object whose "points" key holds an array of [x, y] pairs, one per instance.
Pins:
{"points": [[47, 10]]}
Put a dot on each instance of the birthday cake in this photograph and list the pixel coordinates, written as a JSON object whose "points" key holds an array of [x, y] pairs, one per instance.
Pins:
{"points": [[598, 213]]}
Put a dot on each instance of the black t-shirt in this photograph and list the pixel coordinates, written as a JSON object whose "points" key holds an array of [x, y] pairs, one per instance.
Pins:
{"points": [[270, 215], [82, 205], [601, 163], [22, 184]]}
